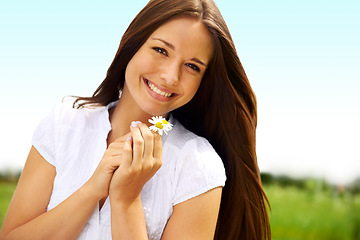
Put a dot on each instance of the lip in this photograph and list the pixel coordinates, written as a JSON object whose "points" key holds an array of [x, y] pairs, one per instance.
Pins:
{"points": [[155, 95]]}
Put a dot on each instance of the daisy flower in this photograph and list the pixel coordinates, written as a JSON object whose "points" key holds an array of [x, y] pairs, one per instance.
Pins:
{"points": [[160, 125]]}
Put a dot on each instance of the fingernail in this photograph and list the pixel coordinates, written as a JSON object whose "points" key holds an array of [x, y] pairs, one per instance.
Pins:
{"points": [[128, 139], [134, 124], [138, 122]]}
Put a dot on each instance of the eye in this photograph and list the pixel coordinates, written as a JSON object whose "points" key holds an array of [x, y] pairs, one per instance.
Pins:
{"points": [[160, 50], [193, 66]]}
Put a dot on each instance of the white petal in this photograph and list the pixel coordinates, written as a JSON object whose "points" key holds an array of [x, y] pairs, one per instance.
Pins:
{"points": [[153, 128]]}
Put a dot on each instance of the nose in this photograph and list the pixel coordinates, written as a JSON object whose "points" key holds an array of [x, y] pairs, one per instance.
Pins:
{"points": [[171, 73]]}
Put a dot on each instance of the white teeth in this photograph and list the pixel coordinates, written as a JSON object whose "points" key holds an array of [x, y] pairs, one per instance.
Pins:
{"points": [[158, 91]]}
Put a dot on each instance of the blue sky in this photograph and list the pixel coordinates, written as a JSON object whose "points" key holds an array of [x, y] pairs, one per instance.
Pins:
{"points": [[302, 58]]}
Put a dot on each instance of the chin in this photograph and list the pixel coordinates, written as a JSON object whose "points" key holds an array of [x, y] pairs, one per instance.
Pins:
{"points": [[154, 112]]}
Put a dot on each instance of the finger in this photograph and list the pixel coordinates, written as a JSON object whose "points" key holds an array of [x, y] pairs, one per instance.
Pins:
{"points": [[157, 146], [115, 148], [119, 143], [123, 138], [115, 162], [127, 154], [148, 141], [114, 152], [137, 146]]}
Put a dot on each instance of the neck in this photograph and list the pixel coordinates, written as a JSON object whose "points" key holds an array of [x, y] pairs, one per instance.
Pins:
{"points": [[123, 114]]}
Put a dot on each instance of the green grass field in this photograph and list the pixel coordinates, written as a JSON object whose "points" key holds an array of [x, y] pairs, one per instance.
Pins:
{"points": [[296, 213], [6, 192], [305, 214]]}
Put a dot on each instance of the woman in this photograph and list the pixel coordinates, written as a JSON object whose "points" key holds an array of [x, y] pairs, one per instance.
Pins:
{"points": [[88, 177]]}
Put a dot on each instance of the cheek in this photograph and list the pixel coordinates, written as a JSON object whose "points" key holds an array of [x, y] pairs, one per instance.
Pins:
{"points": [[191, 88], [194, 88], [140, 63]]}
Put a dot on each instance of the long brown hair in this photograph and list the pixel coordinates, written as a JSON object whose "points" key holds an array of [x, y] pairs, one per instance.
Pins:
{"points": [[223, 111]]}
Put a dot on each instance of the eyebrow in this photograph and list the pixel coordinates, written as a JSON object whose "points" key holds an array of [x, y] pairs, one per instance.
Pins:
{"points": [[166, 43], [173, 48]]}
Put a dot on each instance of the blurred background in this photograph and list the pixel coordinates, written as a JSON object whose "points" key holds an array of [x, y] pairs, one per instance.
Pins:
{"points": [[302, 59]]}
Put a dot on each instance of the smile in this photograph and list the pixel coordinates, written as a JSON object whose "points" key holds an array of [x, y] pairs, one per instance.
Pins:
{"points": [[158, 91]]}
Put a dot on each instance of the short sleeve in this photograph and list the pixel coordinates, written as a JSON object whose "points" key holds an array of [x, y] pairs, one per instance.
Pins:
{"points": [[44, 138], [200, 169]]}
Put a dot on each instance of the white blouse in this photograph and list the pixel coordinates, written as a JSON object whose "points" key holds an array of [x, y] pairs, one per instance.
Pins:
{"points": [[74, 141]]}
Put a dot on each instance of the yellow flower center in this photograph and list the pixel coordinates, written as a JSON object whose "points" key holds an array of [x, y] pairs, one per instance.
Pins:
{"points": [[159, 125], [165, 122]]}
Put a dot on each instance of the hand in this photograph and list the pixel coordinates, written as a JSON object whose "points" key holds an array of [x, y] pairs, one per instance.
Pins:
{"points": [[140, 159], [100, 181]]}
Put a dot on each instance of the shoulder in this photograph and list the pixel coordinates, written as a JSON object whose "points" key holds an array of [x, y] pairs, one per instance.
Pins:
{"points": [[64, 125], [198, 168], [182, 139], [65, 114]]}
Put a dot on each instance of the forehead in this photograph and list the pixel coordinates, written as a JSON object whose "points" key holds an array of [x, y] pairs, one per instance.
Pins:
{"points": [[188, 36]]}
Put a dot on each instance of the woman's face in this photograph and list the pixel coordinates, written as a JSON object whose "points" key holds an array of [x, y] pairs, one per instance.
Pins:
{"points": [[166, 71]]}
